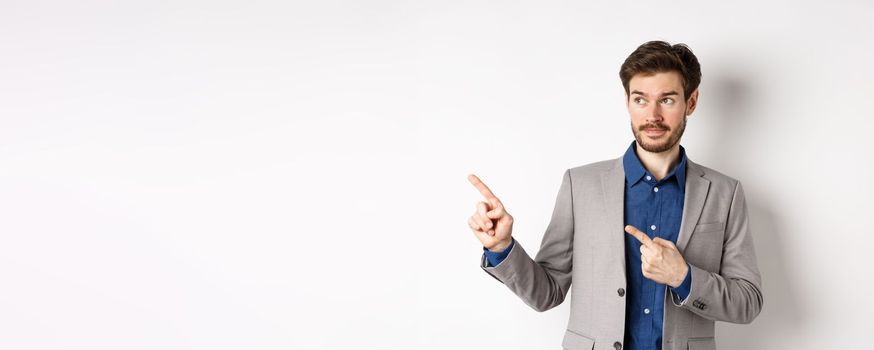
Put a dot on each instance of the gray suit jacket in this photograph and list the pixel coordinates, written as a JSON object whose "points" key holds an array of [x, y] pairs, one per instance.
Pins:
{"points": [[584, 245]]}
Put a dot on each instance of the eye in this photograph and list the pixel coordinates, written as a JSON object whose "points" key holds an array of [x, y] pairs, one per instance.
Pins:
{"points": [[638, 100], [668, 101]]}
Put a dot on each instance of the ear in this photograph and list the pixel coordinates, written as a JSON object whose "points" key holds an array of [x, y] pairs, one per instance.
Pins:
{"points": [[692, 102]]}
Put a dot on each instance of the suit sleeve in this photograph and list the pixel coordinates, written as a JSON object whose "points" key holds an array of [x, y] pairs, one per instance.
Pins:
{"points": [[734, 293], [543, 282]]}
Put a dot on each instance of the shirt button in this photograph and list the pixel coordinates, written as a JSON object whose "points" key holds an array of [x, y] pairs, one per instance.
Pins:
{"points": [[646, 311], [653, 227], [648, 178], [617, 346], [655, 189], [621, 292]]}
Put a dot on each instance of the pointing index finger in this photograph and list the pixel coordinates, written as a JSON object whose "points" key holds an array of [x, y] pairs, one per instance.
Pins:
{"points": [[483, 189], [642, 237]]}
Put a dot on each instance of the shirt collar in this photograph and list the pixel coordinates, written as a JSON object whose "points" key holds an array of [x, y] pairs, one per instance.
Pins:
{"points": [[634, 170]]}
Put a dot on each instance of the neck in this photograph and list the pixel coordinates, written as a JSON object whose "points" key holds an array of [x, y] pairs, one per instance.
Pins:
{"points": [[659, 164]]}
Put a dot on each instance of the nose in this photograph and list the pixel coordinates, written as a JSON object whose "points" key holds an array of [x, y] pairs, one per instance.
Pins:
{"points": [[654, 113]]}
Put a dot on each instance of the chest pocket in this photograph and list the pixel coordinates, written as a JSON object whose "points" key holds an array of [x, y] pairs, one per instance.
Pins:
{"points": [[705, 246]]}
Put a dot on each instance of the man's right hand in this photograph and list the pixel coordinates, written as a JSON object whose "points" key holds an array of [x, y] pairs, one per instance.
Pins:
{"points": [[490, 223]]}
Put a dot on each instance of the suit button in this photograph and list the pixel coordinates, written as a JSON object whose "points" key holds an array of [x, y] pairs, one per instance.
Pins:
{"points": [[617, 346], [621, 292]]}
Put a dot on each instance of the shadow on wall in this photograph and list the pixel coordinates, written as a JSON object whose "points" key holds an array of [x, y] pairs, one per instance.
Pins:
{"points": [[734, 115]]}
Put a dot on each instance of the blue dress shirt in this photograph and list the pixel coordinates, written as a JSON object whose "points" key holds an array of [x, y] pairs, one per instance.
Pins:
{"points": [[656, 208]]}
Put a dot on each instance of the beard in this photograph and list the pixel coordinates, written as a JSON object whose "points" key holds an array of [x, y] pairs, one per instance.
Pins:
{"points": [[659, 146]]}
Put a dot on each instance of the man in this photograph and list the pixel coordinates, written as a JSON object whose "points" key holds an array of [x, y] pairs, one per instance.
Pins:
{"points": [[656, 246]]}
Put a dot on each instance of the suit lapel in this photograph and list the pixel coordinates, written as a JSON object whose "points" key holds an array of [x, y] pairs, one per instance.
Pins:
{"points": [[613, 187], [693, 202]]}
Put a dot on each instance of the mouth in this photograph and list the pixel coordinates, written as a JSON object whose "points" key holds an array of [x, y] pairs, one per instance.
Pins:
{"points": [[654, 132]]}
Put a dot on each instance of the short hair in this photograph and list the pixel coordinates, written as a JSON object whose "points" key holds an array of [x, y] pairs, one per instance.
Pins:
{"points": [[658, 57]]}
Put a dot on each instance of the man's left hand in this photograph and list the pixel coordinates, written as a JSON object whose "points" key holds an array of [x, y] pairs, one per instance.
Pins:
{"points": [[660, 259]]}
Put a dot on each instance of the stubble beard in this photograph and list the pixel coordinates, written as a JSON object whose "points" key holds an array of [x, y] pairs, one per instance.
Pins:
{"points": [[659, 147]]}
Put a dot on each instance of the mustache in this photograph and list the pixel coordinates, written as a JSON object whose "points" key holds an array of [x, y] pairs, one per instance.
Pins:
{"points": [[659, 126]]}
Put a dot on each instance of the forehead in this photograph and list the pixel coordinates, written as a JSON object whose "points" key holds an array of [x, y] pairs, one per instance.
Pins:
{"points": [[656, 83]]}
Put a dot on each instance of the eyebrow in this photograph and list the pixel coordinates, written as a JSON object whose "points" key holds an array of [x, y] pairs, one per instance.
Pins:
{"points": [[669, 93]]}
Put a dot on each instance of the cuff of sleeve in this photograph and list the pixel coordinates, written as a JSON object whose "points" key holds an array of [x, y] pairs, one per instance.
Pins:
{"points": [[494, 259], [682, 291]]}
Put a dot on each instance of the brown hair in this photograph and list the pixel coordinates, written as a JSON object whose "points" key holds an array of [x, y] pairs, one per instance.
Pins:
{"points": [[657, 57]]}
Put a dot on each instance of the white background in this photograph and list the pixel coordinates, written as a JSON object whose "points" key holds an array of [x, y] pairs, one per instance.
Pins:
{"points": [[292, 175]]}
